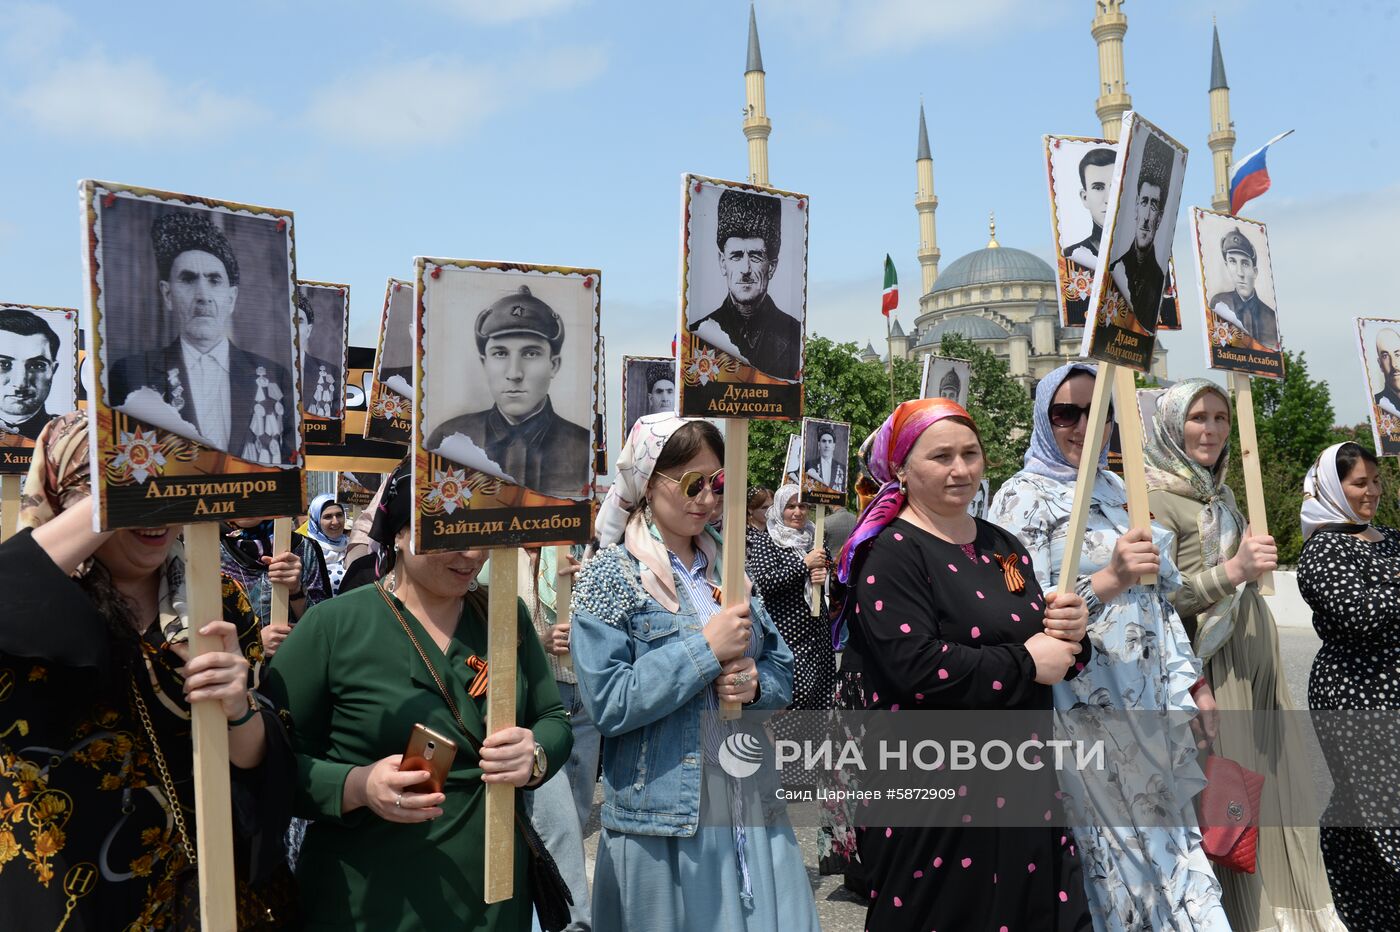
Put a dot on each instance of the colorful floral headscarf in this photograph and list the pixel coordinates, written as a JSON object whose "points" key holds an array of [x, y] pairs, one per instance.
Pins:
{"points": [[882, 454]]}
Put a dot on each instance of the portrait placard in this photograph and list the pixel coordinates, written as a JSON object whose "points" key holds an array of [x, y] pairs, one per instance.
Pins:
{"points": [[1144, 196], [946, 377], [391, 393], [191, 317], [38, 376], [355, 453], [323, 332], [981, 500], [1080, 170], [826, 453], [792, 460], [357, 489], [1147, 401], [506, 381], [1236, 285], [648, 387], [600, 413], [1378, 340], [743, 300]]}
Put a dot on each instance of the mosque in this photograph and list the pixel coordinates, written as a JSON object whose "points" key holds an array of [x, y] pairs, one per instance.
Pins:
{"points": [[1002, 298]]}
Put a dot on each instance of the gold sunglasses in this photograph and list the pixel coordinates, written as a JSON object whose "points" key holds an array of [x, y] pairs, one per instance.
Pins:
{"points": [[693, 483]]}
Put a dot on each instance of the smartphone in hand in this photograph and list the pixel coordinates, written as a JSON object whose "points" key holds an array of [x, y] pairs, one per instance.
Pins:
{"points": [[428, 750]]}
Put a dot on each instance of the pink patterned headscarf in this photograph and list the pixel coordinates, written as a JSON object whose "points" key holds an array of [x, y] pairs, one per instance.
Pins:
{"points": [[884, 452]]}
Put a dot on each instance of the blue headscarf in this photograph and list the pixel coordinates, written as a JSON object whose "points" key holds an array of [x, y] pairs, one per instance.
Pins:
{"points": [[1043, 456], [313, 524]]}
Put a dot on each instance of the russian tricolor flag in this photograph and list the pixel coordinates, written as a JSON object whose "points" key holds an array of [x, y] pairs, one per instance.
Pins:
{"points": [[1249, 177]]}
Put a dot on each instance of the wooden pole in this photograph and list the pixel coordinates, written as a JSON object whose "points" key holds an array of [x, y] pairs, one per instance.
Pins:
{"points": [[281, 543], [9, 506], [818, 541], [212, 803], [501, 629], [736, 493], [1084, 484], [563, 597], [1134, 464], [1249, 461]]}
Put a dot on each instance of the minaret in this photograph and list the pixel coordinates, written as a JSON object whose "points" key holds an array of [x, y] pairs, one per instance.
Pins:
{"points": [[1110, 23], [925, 202], [757, 126], [1222, 131]]}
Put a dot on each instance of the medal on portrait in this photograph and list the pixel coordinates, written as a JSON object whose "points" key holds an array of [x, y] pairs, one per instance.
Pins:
{"points": [[743, 300], [506, 378], [1125, 299], [38, 376], [191, 316], [1236, 277], [1378, 341]]}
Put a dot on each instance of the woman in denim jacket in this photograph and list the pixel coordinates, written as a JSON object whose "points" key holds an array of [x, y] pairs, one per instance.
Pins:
{"points": [[686, 843]]}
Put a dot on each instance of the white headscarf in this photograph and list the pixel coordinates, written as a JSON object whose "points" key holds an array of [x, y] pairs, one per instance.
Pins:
{"points": [[784, 536], [1324, 502]]}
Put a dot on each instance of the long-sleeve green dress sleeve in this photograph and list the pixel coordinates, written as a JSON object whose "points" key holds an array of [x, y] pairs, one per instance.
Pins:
{"points": [[354, 686]]}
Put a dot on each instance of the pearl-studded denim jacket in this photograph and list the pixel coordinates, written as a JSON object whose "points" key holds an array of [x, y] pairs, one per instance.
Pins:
{"points": [[642, 673]]}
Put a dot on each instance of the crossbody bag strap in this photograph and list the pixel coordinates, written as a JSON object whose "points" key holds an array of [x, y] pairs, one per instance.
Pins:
{"points": [[432, 671]]}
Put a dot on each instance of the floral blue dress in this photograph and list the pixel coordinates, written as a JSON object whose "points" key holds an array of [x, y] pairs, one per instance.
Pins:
{"points": [[1139, 877]]}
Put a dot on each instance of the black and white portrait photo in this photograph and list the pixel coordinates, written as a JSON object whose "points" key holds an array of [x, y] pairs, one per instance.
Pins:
{"points": [[744, 302], [1379, 343], [1143, 202], [945, 377], [826, 452], [394, 364], [508, 374], [1236, 278], [38, 370], [323, 318], [792, 460], [648, 387], [191, 335], [197, 308], [1080, 170]]}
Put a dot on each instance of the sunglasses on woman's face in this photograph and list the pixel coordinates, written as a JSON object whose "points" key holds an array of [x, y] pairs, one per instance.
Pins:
{"points": [[693, 483], [1065, 414]]}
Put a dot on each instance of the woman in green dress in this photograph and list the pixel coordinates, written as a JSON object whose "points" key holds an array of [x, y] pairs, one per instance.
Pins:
{"points": [[378, 855]]}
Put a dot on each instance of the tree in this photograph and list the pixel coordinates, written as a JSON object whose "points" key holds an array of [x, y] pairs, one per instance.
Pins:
{"points": [[838, 386]]}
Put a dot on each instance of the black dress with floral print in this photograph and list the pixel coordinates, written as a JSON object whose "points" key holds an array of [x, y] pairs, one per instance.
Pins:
{"points": [[87, 837]]}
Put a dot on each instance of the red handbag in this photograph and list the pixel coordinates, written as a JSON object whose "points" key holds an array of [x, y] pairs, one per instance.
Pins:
{"points": [[1229, 813]]}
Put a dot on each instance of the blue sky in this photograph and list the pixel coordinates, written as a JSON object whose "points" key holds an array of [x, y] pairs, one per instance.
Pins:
{"points": [[556, 131]]}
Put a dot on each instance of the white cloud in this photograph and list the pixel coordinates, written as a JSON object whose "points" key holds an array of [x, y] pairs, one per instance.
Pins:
{"points": [[871, 26], [440, 97], [128, 100], [504, 11], [31, 31]]}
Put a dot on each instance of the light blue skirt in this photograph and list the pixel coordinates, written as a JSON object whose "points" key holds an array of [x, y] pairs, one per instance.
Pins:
{"points": [[653, 883]]}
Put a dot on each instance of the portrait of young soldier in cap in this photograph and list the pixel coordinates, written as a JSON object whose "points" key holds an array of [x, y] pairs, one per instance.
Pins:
{"points": [[320, 378], [519, 339], [29, 350], [1138, 273], [1242, 301], [748, 238], [239, 402]]}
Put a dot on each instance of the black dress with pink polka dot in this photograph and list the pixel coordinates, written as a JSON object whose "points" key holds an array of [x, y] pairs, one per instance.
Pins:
{"points": [[1353, 588], [940, 626]]}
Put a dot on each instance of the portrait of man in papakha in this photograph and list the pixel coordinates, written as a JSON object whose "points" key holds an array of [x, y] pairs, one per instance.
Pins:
{"points": [[520, 339], [1241, 304], [1137, 273], [748, 240], [234, 400], [29, 361]]}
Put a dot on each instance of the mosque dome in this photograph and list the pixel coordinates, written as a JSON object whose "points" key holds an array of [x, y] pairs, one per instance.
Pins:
{"points": [[993, 265], [969, 326]]}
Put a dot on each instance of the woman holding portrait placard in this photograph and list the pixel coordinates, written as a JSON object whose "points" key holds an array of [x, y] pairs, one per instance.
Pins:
{"points": [[1144, 864], [687, 844], [1233, 632], [944, 613]]}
